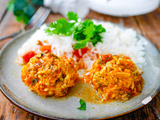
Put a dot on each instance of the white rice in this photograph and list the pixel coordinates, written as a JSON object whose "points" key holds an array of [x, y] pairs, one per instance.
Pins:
{"points": [[116, 41]]}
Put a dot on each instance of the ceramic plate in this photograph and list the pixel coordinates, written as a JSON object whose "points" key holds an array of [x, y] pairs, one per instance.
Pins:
{"points": [[14, 89]]}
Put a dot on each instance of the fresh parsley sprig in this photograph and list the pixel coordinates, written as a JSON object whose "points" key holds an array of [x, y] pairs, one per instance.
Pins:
{"points": [[83, 105], [87, 32], [62, 26], [83, 32]]}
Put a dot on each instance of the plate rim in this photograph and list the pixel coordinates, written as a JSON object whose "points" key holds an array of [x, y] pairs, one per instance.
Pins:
{"points": [[153, 94]]}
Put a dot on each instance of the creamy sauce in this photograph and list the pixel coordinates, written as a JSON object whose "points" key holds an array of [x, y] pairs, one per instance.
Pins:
{"points": [[84, 91]]}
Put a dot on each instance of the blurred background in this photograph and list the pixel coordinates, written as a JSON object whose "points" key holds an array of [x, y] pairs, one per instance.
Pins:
{"points": [[141, 15]]}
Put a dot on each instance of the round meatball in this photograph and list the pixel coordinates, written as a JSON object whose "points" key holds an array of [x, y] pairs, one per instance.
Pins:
{"points": [[47, 74]]}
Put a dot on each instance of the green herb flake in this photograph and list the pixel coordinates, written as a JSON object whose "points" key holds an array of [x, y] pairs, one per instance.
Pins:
{"points": [[103, 62], [34, 81], [83, 105]]}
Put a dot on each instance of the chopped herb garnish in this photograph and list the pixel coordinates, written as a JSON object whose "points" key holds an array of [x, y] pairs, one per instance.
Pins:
{"points": [[83, 105], [83, 32], [43, 54], [103, 62], [52, 55], [65, 91], [34, 81]]}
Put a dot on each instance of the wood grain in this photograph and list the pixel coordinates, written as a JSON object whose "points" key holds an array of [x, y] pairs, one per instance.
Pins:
{"points": [[147, 25], [8, 26], [150, 26], [3, 6]]}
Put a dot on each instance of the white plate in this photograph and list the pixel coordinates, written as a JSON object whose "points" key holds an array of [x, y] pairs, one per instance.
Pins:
{"points": [[14, 89], [123, 7]]}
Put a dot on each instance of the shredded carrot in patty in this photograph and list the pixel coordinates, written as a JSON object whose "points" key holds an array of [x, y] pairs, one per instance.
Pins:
{"points": [[48, 74], [116, 77]]}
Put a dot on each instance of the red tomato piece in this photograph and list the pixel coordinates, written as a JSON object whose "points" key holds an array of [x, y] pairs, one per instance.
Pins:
{"points": [[45, 48], [126, 57], [107, 58], [83, 51], [28, 55]]}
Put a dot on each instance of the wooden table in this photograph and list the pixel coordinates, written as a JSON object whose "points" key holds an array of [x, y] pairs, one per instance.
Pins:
{"points": [[147, 25]]}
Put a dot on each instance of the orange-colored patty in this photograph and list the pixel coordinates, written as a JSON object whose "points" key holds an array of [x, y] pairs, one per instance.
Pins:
{"points": [[116, 77], [47, 74]]}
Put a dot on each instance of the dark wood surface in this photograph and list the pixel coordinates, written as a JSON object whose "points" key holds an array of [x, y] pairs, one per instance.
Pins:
{"points": [[147, 25]]}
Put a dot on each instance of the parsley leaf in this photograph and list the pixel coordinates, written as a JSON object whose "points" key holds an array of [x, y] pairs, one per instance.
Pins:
{"points": [[89, 29], [61, 27], [72, 16], [48, 31], [83, 105], [83, 32], [78, 34], [80, 44], [88, 32]]}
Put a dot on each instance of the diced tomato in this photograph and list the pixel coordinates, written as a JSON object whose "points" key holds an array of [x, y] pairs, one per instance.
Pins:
{"points": [[98, 66], [107, 58], [45, 48], [83, 51], [39, 43], [126, 57], [28, 55]]}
